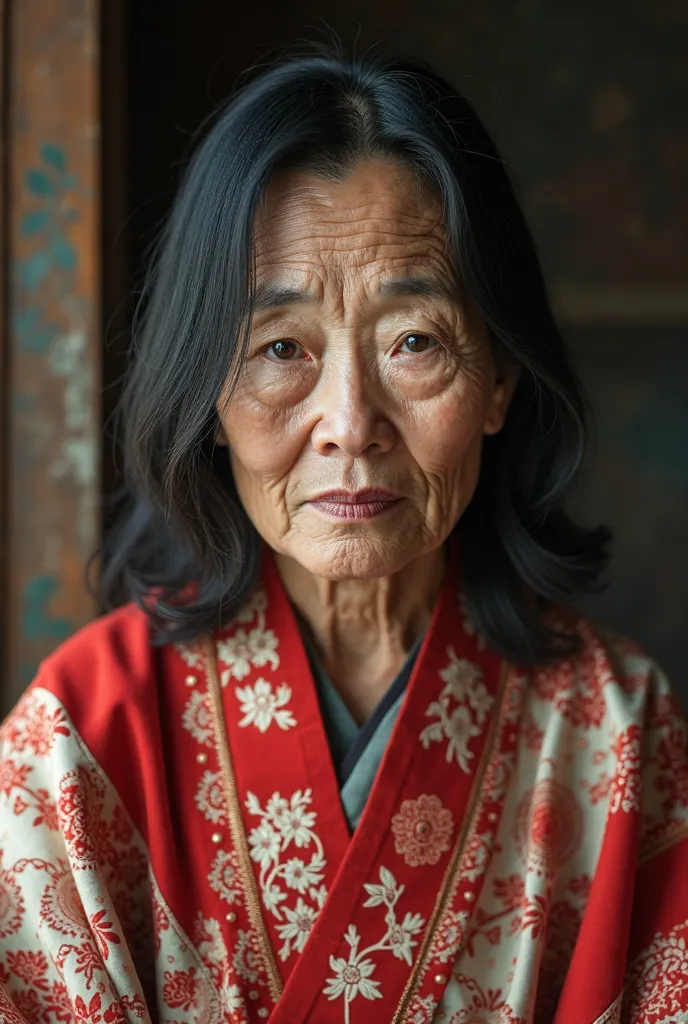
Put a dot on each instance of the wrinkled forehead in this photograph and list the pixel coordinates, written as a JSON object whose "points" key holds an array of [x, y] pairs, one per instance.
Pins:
{"points": [[377, 220]]}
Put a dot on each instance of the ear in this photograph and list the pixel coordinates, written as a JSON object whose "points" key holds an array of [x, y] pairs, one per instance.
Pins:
{"points": [[504, 388]]}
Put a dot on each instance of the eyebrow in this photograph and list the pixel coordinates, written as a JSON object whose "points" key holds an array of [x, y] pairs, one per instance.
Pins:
{"points": [[268, 296], [434, 287]]}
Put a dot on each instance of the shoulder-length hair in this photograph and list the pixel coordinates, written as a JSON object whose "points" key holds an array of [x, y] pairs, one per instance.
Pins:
{"points": [[183, 522]]}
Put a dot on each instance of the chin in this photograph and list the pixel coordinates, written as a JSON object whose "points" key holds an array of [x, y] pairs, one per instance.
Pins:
{"points": [[356, 558]]}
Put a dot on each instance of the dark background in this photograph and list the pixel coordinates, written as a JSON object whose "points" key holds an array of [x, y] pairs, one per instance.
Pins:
{"points": [[587, 102]]}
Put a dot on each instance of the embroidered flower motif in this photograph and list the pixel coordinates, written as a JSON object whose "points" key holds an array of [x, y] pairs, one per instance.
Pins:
{"points": [[180, 989], [265, 844], [351, 980], [401, 936], [422, 830], [301, 876], [465, 687], [549, 825], [197, 718], [210, 798], [13, 775], [79, 806], [283, 823], [34, 727], [246, 959], [191, 654], [298, 926], [462, 678], [448, 937], [422, 1010], [352, 976], [469, 626], [657, 985], [256, 605], [386, 893], [486, 1006], [625, 790], [61, 906], [242, 650], [224, 876], [261, 707]]}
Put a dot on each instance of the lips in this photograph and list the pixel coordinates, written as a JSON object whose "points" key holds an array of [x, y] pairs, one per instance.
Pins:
{"points": [[358, 497], [366, 504]]}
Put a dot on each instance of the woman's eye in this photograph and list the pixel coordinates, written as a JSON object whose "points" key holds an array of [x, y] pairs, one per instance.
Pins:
{"points": [[284, 351], [418, 342]]}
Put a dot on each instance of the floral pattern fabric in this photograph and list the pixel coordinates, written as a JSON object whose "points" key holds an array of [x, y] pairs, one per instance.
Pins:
{"points": [[521, 858]]}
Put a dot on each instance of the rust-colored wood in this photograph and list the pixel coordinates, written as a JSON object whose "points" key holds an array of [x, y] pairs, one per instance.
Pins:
{"points": [[53, 325], [4, 569]]}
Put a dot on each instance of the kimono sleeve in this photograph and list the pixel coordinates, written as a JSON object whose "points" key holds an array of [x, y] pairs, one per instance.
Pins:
{"points": [[58, 926], [656, 987]]}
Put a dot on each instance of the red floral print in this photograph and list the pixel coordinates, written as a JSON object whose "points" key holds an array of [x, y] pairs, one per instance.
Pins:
{"points": [[422, 830], [181, 989], [549, 825]]}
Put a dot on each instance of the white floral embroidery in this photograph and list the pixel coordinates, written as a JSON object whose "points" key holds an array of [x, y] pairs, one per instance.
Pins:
{"points": [[191, 654], [197, 718], [256, 605], [299, 923], [352, 977], [210, 798], [465, 686], [243, 649], [469, 626], [224, 876], [261, 707], [283, 823]]}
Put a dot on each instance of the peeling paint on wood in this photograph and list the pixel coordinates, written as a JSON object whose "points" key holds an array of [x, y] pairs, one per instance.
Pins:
{"points": [[53, 318]]}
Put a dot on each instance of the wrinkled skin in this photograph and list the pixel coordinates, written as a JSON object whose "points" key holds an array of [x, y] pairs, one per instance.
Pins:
{"points": [[370, 390]]}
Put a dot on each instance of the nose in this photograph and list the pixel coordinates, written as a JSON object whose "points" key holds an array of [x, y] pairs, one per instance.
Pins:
{"points": [[350, 417]]}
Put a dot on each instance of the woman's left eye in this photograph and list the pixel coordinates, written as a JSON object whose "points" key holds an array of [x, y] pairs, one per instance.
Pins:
{"points": [[418, 342]]}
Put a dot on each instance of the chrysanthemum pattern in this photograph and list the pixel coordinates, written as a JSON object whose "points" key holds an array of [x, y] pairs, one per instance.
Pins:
{"points": [[241, 650], [461, 710], [353, 974], [291, 887], [261, 707], [657, 983], [422, 830]]}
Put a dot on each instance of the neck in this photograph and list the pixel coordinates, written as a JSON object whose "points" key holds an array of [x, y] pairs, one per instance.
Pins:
{"points": [[364, 629]]}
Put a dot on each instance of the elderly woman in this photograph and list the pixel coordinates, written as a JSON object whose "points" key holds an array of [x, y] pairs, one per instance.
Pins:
{"points": [[340, 751]]}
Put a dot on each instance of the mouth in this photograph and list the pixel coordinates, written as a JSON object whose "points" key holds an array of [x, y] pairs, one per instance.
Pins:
{"points": [[357, 505]]}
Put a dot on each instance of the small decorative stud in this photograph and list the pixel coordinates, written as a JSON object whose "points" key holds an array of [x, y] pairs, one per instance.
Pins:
{"points": [[422, 828], [263, 1012], [469, 896], [440, 979], [216, 837], [492, 816], [191, 680], [231, 917], [202, 757], [253, 994]]}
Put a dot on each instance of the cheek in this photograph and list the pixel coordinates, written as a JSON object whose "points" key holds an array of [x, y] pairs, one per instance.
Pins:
{"points": [[264, 441], [445, 435]]}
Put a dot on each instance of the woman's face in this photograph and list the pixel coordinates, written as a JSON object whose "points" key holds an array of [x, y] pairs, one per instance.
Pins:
{"points": [[366, 369]]}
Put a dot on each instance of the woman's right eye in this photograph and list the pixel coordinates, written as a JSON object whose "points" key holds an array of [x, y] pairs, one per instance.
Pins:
{"points": [[284, 351]]}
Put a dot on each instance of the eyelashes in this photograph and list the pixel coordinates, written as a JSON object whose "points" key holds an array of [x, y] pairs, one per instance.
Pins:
{"points": [[286, 350]]}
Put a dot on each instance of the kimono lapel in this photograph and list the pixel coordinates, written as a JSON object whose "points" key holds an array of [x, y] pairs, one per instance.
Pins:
{"points": [[339, 928]]}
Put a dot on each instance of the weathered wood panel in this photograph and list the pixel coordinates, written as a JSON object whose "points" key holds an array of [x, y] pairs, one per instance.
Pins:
{"points": [[52, 326]]}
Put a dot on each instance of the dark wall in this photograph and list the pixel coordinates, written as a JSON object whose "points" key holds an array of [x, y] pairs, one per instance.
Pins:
{"points": [[587, 102]]}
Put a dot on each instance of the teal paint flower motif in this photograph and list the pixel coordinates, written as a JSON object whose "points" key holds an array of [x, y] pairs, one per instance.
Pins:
{"points": [[53, 262]]}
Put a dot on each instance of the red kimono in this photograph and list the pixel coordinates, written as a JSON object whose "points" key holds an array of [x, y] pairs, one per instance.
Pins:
{"points": [[173, 845]]}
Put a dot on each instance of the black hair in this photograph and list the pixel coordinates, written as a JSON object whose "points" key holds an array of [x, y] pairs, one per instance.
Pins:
{"points": [[182, 522]]}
